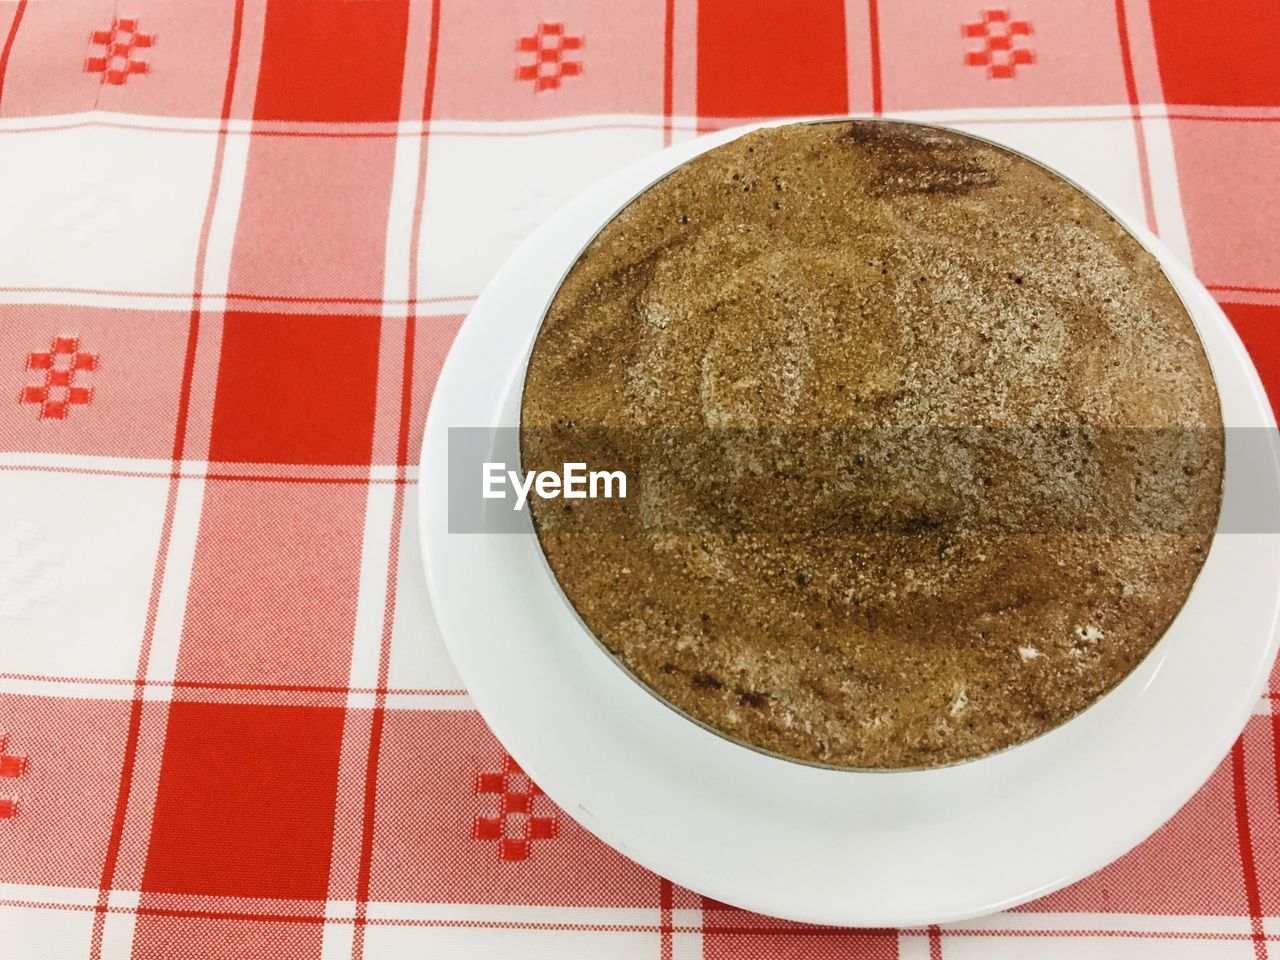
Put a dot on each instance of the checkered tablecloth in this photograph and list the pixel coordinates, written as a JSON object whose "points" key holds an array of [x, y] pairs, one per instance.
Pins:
{"points": [[236, 240]]}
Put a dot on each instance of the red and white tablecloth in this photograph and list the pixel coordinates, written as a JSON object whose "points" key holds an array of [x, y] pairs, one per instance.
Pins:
{"points": [[236, 240]]}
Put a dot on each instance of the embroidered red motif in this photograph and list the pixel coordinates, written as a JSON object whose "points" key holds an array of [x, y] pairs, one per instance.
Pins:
{"points": [[61, 366], [117, 63], [515, 827], [548, 45], [997, 31], [12, 766]]}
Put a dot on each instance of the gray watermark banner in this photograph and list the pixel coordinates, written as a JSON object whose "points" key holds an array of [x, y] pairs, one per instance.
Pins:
{"points": [[833, 481]]}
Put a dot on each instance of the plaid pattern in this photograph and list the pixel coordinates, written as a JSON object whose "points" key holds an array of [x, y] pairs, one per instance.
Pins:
{"points": [[238, 238]]}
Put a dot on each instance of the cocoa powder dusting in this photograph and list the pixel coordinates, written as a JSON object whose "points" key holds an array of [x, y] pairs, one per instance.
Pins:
{"points": [[870, 275]]}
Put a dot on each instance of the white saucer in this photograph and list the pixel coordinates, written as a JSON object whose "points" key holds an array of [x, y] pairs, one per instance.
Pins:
{"points": [[796, 841]]}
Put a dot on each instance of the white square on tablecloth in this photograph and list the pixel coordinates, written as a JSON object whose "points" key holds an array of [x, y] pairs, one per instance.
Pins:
{"points": [[1075, 947], [485, 194], [77, 559], [468, 942], [419, 660], [32, 933], [104, 208]]}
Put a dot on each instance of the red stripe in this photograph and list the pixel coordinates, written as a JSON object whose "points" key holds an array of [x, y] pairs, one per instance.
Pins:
{"points": [[397, 514], [1218, 53], [835, 932], [935, 943], [761, 58], [157, 580], [265, 478], [666, 902], [1227, 286], [668, 72], [337, 133], [274, 298], [877, 99], [255, 297], [235, 477], [1220, 118], [1275, 746], [1140, 138], [218, 685], [8, 43], [695, 127], [1244, 834], [117, 825]]}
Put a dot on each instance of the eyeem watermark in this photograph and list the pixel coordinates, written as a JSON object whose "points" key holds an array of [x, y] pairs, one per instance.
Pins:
{"points": [[574, 482], [913, 482]]}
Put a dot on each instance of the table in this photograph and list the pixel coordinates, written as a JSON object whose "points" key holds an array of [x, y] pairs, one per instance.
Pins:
{"points": [[236, 240]]}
